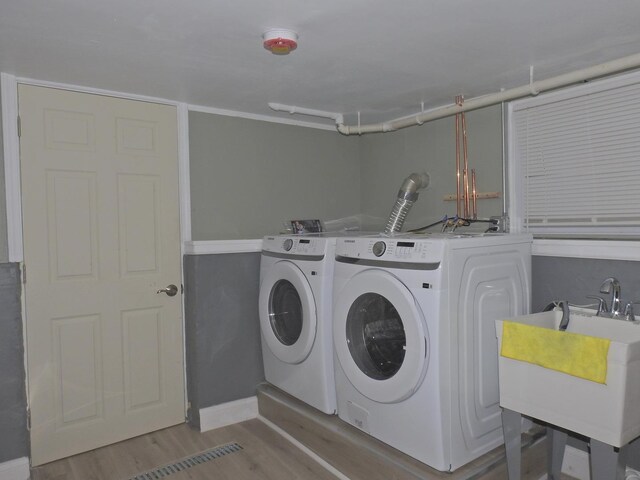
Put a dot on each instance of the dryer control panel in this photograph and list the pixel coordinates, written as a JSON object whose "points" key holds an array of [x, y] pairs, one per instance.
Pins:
{"points": [[295, 245], [392, 249]]}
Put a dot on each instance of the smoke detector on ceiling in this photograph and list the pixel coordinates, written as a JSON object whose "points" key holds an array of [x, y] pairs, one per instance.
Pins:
{"points": [[280, 41]]}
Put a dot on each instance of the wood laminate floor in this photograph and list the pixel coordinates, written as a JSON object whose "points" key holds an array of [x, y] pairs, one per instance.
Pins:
{"points": [[266, 455], [361, 457]]}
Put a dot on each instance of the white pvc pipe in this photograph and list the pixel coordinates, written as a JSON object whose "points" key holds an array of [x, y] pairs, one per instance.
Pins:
{"points": [[337, 117], [533, 88]]}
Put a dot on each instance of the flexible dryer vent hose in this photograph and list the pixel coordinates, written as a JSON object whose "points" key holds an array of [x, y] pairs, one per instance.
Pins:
{"points": [[407, 195]]}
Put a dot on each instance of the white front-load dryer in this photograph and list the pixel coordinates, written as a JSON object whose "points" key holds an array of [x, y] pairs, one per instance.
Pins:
{"points": [[295, 317], [405, 308]]}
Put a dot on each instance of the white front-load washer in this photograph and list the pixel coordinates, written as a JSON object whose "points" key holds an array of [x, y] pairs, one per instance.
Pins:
{"points": [[416, 354], [296, 274]]}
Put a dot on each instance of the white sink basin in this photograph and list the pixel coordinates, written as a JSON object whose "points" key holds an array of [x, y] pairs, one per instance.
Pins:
{"points": [[609, 413]]}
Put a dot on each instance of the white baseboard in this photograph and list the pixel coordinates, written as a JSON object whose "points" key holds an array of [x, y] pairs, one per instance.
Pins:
{"points": [[228, 413], [17, 469], [576, 463]]}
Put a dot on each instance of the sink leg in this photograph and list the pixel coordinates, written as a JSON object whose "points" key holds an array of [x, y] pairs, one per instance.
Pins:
{"points": [[556, 441], [512, 430], [607, 463]]}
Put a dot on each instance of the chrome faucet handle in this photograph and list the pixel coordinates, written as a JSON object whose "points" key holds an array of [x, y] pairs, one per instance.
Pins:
{"points": [[612, 285], [628, 311], [602, 304]]}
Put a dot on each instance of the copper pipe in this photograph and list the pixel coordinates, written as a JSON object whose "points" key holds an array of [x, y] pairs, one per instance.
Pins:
{"points": [[465, 169], [474, 195], [458, 197], [465, 181], [457, 164]]}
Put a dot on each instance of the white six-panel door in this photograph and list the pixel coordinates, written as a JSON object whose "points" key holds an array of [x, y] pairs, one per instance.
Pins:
{"points": [[101, 237]]}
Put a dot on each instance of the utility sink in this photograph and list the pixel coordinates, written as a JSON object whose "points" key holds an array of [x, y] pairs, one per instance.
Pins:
{"points": [[608, 412]]}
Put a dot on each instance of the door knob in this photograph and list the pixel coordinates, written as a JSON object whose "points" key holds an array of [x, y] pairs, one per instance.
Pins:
{"points": [[170, 290]]}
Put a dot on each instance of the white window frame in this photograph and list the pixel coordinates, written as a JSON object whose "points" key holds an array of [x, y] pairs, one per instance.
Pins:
{"points": [[605, 242]]}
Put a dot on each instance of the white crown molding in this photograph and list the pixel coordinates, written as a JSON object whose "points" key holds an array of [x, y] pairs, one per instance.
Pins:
{"points": [[194, 108], [262, 118], [212, 247], [95, 91]]}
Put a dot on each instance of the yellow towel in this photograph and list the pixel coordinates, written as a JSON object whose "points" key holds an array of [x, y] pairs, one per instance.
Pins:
{"points": [[578, 355]]}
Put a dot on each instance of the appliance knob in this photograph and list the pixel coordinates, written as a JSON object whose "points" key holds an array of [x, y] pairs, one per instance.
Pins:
{"points": [[379, 248], [287, 244]]}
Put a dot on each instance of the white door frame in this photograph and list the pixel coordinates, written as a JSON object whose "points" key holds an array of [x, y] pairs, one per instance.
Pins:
{"points": [[11, 143]]}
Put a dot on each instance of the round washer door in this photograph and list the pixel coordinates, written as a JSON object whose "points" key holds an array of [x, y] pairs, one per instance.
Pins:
{"points": [[380, 336], [287, 312]]}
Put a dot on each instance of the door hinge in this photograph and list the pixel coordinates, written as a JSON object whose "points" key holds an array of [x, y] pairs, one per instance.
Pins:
{"points": [[19, 127], [24, 274], [28, 419]]}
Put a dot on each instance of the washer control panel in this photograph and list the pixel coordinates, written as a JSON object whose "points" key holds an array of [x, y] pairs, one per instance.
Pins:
{"points": [[391, 249]]}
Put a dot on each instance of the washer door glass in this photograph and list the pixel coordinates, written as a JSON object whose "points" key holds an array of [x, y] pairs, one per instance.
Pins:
{"points": [[288, 316], [285, 312], [376, 336], [380, 336]]}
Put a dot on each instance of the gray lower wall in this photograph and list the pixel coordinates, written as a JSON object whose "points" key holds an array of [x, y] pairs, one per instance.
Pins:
{"points": [[572, 279], [224, 356], [224, 359], [14, 437]]}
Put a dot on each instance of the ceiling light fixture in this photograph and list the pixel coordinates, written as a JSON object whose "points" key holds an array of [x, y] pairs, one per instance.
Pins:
{"points": [[280, 41]]}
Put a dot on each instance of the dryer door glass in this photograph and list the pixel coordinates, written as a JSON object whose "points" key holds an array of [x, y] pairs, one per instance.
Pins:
{"points": [[376, 336], [285, 312]]}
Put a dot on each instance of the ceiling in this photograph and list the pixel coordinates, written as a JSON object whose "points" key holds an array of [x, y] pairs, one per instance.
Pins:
{"points": [[382, 58]]}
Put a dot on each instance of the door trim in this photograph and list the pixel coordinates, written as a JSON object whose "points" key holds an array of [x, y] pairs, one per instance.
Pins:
{"points": [[11, 145], [9, 92], [11, 141]]}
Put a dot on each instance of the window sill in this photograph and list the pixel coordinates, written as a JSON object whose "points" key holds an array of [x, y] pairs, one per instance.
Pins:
{"points": [[582, 248]]}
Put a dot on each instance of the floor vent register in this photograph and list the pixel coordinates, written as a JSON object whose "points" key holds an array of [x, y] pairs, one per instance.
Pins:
{"points": [[186, 463]]}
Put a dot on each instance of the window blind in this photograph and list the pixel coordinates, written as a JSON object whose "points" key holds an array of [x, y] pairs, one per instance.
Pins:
{"points": [[578, 158]]}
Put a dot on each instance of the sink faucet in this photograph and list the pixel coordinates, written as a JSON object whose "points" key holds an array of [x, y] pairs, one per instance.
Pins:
{"points": [[612, 285], [628, 312]]}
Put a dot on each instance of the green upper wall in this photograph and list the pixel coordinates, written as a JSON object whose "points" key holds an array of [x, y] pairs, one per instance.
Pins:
{"points": [[249, 177], [387, 159]]}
